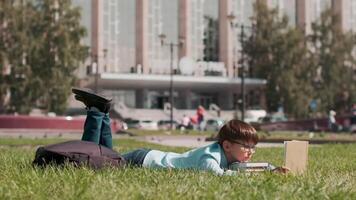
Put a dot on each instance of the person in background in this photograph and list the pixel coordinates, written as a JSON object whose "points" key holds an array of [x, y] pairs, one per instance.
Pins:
{"points": [[332, 121], [200, 116], [185, 122]]}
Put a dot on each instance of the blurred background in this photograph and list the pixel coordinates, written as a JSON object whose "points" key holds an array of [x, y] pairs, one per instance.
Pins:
{"points": [[187, 64]]}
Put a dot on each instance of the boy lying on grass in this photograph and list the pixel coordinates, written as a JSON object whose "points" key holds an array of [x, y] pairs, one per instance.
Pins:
{"points": [[236, 142]]}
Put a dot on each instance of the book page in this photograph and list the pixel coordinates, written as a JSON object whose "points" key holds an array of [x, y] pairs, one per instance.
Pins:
{"points": [[251, 166], [296, 155]]}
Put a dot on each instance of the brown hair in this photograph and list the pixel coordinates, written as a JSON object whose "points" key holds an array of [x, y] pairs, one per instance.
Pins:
{"points": [[237, 130]]}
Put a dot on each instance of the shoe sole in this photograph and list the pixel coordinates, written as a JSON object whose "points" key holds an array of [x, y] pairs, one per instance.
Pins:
{"points": [[90, 94]]}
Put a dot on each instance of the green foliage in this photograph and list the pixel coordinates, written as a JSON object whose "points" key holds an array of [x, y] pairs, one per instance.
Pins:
{"points": [[299, 68], [42, 48], [9, 16], [275, 52], [332, 52], [330, 175]]}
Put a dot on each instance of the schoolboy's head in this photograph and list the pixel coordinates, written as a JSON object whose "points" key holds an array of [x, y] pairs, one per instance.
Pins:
{"points": [[238, 139]]}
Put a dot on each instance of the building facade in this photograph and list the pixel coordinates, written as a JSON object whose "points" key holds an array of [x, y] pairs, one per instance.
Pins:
{"points": [[134, 67]]}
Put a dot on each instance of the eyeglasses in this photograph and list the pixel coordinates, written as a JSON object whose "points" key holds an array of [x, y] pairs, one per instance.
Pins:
{"points": [[245, 147]]}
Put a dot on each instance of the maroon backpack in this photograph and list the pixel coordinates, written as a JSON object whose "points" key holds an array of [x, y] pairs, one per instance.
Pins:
{"points": [[78, 153]]}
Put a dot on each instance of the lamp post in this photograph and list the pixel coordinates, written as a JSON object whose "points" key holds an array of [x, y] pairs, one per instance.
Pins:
{"points": [[242, 27], [96, 63], [96, 76], [105, 51], [171, 46]]}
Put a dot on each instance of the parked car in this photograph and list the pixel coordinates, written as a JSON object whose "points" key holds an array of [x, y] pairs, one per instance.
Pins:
{"points": [[133, 123], [166, 124], [254, 115], [272, 118], [148, 125], [213, 124], [142, 124]]}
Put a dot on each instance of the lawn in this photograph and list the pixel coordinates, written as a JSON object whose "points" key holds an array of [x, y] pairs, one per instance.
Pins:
{"points": [[331, 175], [288, 135], [139, 132]]}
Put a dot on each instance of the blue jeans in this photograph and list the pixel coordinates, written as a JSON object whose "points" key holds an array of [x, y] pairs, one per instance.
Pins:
{"points": [[97, 128], [136, 157]]}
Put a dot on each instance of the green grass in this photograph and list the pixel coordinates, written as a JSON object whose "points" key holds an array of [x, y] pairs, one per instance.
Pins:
{"points": [[286, 135], [139, 132], [28, 141], [307, 135], [331, 175]]}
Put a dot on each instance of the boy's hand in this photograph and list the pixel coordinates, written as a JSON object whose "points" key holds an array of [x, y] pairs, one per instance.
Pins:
{"points": [[281, 170]]}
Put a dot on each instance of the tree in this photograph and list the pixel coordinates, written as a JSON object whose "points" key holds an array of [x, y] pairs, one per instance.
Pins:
{"points": [[20, 41], [276, 52], [42, 46], [334, 63], [16, 74], [59, 31], [6, 9]]}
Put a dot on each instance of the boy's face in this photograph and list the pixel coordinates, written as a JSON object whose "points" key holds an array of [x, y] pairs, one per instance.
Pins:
{"points": [[238, 150]]}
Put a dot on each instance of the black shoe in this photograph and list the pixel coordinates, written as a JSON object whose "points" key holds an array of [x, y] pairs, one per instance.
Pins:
{"points": [[90, 99]]}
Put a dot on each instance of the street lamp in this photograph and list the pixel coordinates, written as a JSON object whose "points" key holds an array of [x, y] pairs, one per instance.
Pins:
{"points": [[96, 64], [171, 45], [231, 17], [105, 51]]}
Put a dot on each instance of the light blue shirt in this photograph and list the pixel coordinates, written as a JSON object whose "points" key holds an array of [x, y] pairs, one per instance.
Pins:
{"points": [[210, 158]]}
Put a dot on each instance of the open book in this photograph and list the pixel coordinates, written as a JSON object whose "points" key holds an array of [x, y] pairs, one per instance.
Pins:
{"points": [[251, 166], [296, 155], [295, 158]]}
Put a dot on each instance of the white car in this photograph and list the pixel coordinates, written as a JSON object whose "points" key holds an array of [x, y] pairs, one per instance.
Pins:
{"points": [[166, 124], [254, 115], [142, 124], [148, 125], [213, 124]]}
